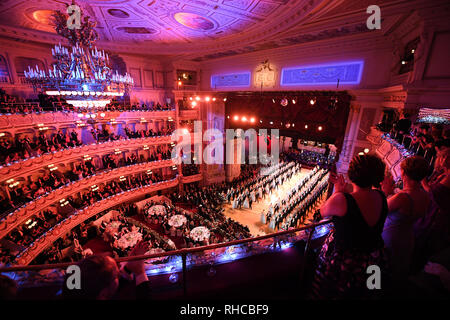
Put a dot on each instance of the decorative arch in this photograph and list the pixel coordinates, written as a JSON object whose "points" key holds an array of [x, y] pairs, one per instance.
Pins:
{"points": [[4, 70]]}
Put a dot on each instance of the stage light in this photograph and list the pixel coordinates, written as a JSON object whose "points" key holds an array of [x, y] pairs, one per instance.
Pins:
{"points": [[293, 101], [228, 117], [102, 115], [236, 118], [413, 50], [214, 99], [260, 121], [244, 119], [306, 126], [197, 98], [293, 125], [403, 62], [185, 131], [252, 120], [366, 150], [207, 99], [180, 83], [190, 98], [271, 122], [361, 154], [273, 100], [225, 100], [194, 104], [320, 128], [312, 101]]}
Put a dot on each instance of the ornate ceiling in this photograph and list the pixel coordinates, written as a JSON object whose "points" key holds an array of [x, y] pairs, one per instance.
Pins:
{"points": [[198, 29]]}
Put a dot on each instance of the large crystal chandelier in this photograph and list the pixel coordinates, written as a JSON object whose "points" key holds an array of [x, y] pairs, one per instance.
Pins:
{"points": [[82, 74]]}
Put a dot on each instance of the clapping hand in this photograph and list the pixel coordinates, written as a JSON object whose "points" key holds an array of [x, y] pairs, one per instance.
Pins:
{"points": [[339, 182]]}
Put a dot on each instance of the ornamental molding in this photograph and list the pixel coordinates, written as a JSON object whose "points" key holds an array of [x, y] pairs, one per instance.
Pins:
{"points": [[394, 98], [355, 107]]}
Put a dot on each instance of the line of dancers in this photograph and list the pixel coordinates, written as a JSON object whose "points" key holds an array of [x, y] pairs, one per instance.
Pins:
{"points": [[295, 206], [254, 190]]}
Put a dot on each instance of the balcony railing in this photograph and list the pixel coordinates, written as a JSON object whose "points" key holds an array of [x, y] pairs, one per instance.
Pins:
{"points": [[180, 263], [59, 115], [193, 178]]}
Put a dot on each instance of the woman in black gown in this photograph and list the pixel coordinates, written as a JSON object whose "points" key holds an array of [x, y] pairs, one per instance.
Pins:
{"points": [[355, 243]]}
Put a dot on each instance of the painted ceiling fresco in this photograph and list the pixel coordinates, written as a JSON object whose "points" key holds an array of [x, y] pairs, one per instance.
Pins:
{"points": [[197, 29]]}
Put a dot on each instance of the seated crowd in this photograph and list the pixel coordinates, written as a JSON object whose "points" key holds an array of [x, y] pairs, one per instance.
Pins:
{"points": [[52, 180], [25, 147], [78, 202], [208, 203]]}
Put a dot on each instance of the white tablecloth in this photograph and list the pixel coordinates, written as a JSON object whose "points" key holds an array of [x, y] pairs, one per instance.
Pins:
{"points": [[129, 240], [200, 234], [177, 221], [157, 210]]}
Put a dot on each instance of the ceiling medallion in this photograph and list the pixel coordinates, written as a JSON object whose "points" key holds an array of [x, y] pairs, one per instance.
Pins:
{"points": [[193, 21]]}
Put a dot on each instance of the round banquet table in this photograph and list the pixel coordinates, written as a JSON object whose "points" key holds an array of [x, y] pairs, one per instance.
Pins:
{"points": [[177, 221], [129, 240], [156, 210], [200, 234]]}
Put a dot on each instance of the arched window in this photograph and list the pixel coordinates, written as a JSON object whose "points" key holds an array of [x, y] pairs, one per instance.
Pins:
{"points": [[22, 64], [4, 72]]}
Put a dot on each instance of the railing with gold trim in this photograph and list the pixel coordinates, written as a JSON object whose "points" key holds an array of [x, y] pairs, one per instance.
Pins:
{"points": [[10, 121]]}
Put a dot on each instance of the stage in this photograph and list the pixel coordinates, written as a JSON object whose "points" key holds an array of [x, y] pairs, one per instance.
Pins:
{"points": [[252, 217]]}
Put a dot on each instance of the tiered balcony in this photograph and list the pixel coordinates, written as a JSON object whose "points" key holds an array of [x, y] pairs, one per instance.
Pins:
{"points": [[27, 166], [9, 121], [19, 216], [80, 216]]}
